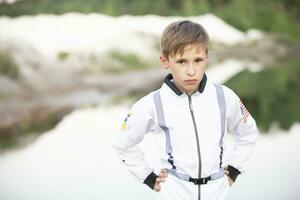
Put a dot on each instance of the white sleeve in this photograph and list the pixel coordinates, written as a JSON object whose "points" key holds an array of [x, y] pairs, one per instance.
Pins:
{"points": [[137, 123], [243, 128]]}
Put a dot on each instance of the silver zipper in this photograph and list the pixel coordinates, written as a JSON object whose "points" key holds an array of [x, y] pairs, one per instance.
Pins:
{"points": [[197, 140]]}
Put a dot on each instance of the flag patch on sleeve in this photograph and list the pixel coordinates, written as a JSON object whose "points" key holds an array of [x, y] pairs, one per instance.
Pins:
{"points": [[244, 111]]}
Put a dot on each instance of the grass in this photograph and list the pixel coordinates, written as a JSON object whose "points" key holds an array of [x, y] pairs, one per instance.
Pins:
{"points": [[62, 55], [8, 67], [118, 62]]}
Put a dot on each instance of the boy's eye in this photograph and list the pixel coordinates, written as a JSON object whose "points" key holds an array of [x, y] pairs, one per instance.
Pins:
{"points": [[181, 61], [199, 60]]}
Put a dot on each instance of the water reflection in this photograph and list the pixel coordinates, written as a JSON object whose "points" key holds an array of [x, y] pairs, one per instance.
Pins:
{"points": [[75, 161]]}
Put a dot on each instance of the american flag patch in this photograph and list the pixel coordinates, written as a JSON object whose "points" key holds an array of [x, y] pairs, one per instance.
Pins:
{"points": [[244, 111]]}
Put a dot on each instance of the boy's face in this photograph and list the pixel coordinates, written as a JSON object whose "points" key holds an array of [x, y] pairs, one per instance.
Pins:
{"points": [[187, 69]]}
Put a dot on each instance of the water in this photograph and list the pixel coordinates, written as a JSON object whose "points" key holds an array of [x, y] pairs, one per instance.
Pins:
{"points": [[76, 161]]}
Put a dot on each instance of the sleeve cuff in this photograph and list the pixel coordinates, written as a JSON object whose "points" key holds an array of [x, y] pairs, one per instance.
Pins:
{"points": [[233, 172], [150, 180]]}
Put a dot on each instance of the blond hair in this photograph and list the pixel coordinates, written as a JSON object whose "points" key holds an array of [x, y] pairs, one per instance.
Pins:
{"points": [[178, 35]]}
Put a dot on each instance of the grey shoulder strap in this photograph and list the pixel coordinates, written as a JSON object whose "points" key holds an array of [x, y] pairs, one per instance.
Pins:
{"points": [[161, 121], [222, 108]]}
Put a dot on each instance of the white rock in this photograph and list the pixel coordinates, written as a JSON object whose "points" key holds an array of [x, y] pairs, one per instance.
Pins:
{"points": [[97, 33]]}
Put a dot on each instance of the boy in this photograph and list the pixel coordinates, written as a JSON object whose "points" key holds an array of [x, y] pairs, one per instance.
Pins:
{"points": [[189, 117]]}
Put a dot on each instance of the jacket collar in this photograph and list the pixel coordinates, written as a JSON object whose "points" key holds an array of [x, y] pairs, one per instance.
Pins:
{"points": [[173, 87]]}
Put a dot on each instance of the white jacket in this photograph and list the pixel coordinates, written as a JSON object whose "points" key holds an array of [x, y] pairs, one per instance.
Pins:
{"points": [[196, 137]]}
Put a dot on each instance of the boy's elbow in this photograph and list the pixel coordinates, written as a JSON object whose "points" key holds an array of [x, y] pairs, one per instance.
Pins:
{"points": [[252, 127], [253, 134], [117, 145], [120, 143]]}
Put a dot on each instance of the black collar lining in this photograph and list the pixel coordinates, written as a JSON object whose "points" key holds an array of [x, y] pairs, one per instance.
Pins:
{"points": [[168, 81]]}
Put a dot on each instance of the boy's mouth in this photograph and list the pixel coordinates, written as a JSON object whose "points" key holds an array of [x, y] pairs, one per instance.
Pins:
{"points": [[191, 81]]}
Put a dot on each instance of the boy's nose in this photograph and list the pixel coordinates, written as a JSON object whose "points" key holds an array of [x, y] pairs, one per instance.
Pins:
{"points": [[190, 70]]}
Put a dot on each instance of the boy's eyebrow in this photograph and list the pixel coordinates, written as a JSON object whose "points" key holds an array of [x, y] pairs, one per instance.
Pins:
{"points": [[180, 60], [184, 59], [200, 58]]}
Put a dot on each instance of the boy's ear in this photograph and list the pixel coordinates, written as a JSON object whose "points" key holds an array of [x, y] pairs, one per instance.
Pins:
{"points": [[164, 62]]}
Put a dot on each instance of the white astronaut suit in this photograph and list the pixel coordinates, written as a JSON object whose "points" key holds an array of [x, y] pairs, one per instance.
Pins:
{"points": [[189, 131]]}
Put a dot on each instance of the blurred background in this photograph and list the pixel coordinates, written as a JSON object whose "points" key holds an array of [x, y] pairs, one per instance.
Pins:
{"points": [[70, 70]]}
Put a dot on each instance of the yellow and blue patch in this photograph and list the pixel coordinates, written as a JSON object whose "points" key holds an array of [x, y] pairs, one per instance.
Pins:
{"points": [[124, 124]]}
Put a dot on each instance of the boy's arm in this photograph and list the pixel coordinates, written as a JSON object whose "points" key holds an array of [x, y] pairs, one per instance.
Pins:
{"points": [[243, 128], [135, 126]]}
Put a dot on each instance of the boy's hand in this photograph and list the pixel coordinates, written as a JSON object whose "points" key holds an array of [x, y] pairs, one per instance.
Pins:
{"points": [[229, 179], [160, 179]]}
